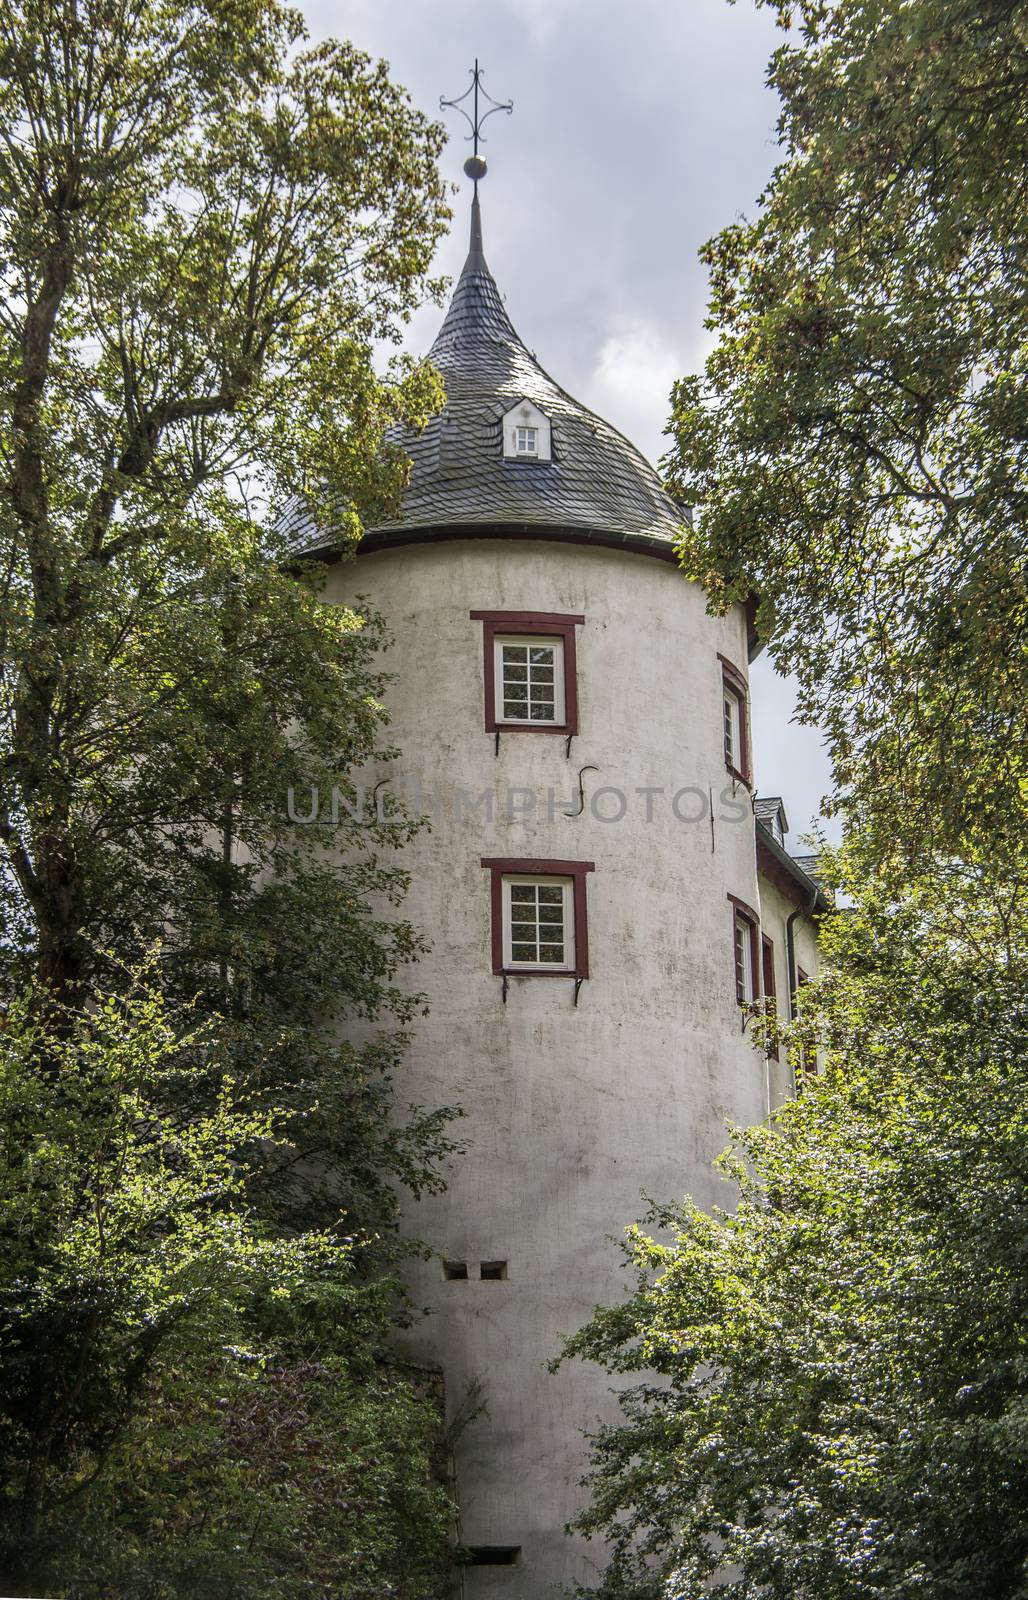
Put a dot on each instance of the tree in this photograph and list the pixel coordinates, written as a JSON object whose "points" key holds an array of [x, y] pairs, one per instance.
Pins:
{"points": [[202, 231], [857, 444], [190, 1402], [206, 228], [826, 1383], [830, 1396]]}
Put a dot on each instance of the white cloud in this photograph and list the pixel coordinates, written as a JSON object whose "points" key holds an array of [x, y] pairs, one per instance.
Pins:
{"points": [[631, 381], [540, 17]]}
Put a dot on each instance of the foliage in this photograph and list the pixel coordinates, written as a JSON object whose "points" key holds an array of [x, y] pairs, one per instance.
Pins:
{"points": [[206, 228], [857, 445], [301, 1480], [188, 1401], [831, 1381], [203, 229]]}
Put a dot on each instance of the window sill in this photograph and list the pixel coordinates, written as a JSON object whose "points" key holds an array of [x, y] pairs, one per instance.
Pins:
{"points": [[738, 777], [538, 972]]}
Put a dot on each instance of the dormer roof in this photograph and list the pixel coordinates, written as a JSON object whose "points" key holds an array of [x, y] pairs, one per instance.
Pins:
{"points": [[770, 810], [595, 486]]}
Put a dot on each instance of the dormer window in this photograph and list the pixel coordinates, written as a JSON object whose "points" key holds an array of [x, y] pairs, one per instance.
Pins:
{"points": [[526, 433], [770, 813]]}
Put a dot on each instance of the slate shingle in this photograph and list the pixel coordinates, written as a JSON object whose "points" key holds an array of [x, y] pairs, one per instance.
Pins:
{"points": [[597, 484]]}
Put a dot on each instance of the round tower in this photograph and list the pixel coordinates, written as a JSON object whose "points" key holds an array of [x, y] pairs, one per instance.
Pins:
{"points": [[576, 726]]}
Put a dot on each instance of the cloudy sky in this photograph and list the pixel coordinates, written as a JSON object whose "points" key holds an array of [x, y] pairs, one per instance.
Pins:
{"points": [[637, 133]]}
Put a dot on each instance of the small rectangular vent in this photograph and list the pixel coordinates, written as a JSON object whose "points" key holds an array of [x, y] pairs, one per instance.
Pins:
{"points": [[492, 1555], [493, 1269], [455, 1269]]}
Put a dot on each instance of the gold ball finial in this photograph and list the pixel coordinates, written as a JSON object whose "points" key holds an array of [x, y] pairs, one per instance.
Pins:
{"points": [[475, 166]]}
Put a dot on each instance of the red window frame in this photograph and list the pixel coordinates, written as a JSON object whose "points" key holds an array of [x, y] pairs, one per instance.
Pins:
{"points": [[733, 679], [767, 975], [546, 624], [500, 867], [741, 912]]}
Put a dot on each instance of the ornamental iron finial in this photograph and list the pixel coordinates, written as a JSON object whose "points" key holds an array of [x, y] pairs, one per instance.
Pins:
{"points": [[475, 166]]}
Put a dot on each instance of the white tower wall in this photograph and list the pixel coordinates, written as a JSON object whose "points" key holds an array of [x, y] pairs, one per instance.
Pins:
{"points": [[572, 1113]]}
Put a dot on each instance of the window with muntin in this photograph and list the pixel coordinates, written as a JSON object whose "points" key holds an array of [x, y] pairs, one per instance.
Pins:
{"points": [[529, 671], [529, 679], [538, 924], [538, 911]]}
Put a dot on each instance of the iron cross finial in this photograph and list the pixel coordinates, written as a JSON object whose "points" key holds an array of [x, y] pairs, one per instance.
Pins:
{"points": [[475, 166]]}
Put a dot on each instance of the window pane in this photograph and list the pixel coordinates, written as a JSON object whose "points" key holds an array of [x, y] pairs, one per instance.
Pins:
{"points": [[536, 927], [529, 681], [745, 989], [734, 710]]}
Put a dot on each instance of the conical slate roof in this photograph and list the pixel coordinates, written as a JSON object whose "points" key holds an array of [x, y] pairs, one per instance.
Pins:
{"points": [[596, 487]]}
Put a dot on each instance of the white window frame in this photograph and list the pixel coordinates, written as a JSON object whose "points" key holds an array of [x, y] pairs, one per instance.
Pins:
{"points": [[744, 929], [550, 641], [526, 439], [732, 715], [526, 415], [568, 906]]}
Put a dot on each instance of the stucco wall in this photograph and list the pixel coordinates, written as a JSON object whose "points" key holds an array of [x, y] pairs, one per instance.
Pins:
{"points": [[571, 1112], [775, 910]]}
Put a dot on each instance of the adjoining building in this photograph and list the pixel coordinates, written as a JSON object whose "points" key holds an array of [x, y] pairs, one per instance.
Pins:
{"points": [[604, 907]]}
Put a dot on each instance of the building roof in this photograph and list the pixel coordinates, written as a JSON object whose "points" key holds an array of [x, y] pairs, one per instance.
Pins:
{"points": [[811, 865], [770, 810], [597, 486], [792, 875]]}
